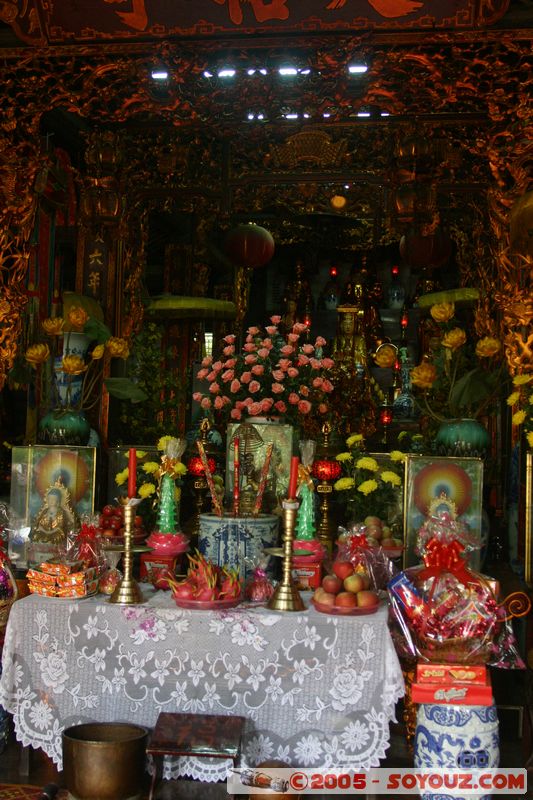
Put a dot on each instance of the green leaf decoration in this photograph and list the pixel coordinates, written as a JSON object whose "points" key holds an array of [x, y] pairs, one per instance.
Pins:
{"points": [[125, 389], [473, 388], [96, 330]]}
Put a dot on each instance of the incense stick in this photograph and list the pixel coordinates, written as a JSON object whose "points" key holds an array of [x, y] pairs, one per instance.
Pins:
{"points": [[262, 481], [209, 478]]}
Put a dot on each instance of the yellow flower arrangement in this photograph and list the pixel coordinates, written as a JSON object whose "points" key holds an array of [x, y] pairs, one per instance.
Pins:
{"points": [[521, 402], [459, 378], [367, 487]]}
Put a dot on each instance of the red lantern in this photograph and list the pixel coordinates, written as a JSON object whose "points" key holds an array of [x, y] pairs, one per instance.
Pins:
{"points": [[326, 470], [421, 252], [196, 467], [249, 245]]}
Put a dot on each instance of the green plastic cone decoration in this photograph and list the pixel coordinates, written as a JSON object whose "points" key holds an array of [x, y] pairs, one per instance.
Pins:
{"points": [[305, 522], [166, 515], [305, 525]]}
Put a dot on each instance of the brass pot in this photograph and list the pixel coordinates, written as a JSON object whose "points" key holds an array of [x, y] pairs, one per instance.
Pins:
{"points": [[104, 761]]}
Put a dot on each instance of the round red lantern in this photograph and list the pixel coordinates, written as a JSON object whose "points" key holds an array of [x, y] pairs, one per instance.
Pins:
{"points": [[249, 245], [425, 252], [326, 469]]}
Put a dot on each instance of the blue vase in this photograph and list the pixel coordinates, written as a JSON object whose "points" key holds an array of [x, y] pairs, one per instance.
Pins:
{"points": [[462, 438], [64, 426]]}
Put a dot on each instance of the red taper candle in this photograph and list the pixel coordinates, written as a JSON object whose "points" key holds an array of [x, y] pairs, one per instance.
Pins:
{"points": [[293, 479], [132, 472]]}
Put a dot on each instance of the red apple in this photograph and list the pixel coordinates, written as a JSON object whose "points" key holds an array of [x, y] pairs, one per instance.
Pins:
{"points": [[368, 521], [367, 598], [354, 583], [346, 600], [108, 511], [332, 584], [342, 569], [327, 599], [138, 521], [115, 522]]}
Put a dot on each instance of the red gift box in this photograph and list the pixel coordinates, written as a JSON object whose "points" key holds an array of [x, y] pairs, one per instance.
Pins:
{"points": [[152, 565], [451, 673], [308, 577], [456, 694]]}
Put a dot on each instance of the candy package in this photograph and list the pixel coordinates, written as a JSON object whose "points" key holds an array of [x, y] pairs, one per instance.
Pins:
{"points": [[87, 547], [353, 546], [259, 587]]}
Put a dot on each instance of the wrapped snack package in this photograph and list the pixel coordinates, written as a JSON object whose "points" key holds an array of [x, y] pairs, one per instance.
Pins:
{"points": [[87, 547], [109, 581], [353, 546], [259, 587], [441, 611]]}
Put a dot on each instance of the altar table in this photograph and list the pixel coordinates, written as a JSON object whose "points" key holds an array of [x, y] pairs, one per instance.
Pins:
{"points": [[316, 690]]}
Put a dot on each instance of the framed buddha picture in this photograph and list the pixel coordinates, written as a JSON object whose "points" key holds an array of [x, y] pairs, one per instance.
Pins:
{"points": [[437, 485]]}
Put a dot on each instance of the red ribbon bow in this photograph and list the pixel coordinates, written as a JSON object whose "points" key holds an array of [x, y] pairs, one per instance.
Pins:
{"points": [[444, 557], [358, 540]]}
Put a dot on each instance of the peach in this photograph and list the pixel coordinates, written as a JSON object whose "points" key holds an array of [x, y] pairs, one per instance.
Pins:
{"points": [[332, 584], [368, 521], [354, 583], [342, 569], [367, 598], [346, 600], [327, 599]]}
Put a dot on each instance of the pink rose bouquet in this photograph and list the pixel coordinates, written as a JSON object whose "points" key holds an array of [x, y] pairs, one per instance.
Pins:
{"points": [[273, 375]]}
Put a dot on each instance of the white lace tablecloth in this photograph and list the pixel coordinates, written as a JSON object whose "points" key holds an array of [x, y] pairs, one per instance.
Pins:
{"points": [[316, 690]]}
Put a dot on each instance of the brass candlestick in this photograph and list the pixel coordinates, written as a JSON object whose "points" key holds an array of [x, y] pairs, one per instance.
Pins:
{"points": [[286, 596], [127, 592]]}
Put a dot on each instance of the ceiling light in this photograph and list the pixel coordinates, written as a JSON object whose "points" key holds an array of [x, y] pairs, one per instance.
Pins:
{"points": [[226, 72], [288, 71], [159, 74], [385, 114], [291, 115], [326, 114], [357, 69], [363, 113], [305, 71], [207, 74]]}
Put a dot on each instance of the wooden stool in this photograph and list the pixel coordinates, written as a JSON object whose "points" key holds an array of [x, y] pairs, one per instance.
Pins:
{"points": [[212, 735]]}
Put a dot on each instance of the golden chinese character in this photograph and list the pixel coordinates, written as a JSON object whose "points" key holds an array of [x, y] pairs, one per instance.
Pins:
{"points": [[95, 258], [94, 282]]}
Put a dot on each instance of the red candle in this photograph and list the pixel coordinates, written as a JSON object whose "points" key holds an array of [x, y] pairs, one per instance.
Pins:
{"points": [[132, 472], [293, 479]]}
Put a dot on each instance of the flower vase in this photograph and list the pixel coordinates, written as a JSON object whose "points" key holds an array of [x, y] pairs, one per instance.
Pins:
{"points": [[462, 438], [66, 426]]}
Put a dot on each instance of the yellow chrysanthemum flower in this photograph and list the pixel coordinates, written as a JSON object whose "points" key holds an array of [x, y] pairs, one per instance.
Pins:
{"points": [[367, 463], [146, 489], [513, 398], [529, 437], [530, 400], [98, 352], [344, 483], [73, 365], [77, 317], [53, 326], [179, 469], [37, 354], [163, 441], [522, 380], [391, 477], [355, 438], [141, 453], [442, 312], [150, 467], [343, 457], [397, 455], [454, 339], [519, 417], [121, 477], [367, 487]]}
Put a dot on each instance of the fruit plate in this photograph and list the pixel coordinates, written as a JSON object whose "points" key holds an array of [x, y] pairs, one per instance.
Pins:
{"points": [[345, 612], [207, 605]]}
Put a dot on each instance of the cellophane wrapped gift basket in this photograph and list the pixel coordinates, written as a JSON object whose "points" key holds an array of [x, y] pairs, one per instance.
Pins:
{"points": [[366, 556], [444, 612]]}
